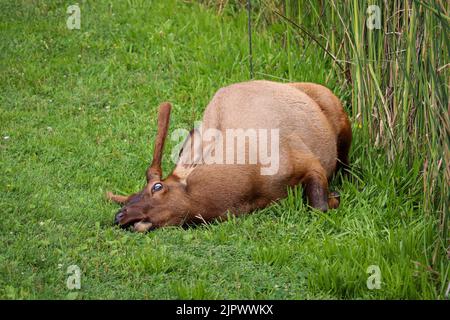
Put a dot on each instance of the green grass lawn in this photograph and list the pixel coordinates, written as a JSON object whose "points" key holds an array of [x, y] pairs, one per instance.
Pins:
{"points": [[78, 115]]}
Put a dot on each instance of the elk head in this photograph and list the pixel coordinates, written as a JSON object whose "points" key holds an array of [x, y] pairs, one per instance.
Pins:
{"points": [[161, 201]]}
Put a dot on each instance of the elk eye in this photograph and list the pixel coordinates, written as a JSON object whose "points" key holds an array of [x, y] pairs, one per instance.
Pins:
{"points": [[156, 187]]}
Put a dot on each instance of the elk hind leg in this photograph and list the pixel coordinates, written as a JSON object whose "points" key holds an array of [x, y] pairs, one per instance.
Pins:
{"points": [[313, 178], [315, 185]]}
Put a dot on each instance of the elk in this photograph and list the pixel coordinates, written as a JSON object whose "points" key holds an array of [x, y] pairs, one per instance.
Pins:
{"points": [[314, 138]]}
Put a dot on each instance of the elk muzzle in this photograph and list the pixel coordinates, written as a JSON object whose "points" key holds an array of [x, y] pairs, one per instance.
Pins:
{"points": [[119, 217], [126, 216]]}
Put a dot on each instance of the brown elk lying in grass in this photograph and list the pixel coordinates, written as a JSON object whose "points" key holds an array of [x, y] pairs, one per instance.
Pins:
{"points": [[313, 141]]}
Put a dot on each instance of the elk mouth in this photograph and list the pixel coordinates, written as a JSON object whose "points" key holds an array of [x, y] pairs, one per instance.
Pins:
{"points": [[138, 225], [143, 226]]}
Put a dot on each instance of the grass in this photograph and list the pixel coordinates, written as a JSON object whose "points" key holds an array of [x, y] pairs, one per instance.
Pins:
{"points": [[78, 113]]}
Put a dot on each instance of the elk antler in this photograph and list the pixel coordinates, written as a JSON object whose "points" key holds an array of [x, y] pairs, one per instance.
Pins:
{"points": [[154, 172]]}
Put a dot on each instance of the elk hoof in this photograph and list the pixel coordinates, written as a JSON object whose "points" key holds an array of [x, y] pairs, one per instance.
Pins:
{"points": [[334, 199]]}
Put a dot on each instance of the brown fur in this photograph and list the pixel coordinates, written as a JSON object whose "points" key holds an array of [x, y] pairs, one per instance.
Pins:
{"points": [[314, 132], [332, 108]]}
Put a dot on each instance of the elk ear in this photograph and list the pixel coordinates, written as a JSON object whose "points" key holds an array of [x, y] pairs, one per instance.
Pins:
{"points": [[154, 172], [191, 155], [117, 198]]}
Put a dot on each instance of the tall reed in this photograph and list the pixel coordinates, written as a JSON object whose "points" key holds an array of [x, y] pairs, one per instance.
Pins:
{"points": [[400, 85]]}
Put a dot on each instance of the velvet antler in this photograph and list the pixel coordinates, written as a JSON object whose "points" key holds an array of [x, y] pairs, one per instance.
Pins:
{"points": [[154, 172]]}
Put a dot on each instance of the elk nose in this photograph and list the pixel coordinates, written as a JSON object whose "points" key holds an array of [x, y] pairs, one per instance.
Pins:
{"points": [[119, 216]]}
